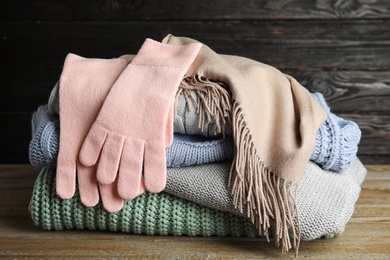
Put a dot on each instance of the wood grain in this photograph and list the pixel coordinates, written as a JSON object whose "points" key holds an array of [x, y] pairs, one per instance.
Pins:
{"points": [[15, 136], [121, 10], [374, 158], [331, 45], [338, 47], [349, 91], [375, 133], [366, 236]]}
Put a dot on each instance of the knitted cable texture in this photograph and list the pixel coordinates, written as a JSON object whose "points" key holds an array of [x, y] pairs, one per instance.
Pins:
{"points": [[193, 150], [43, 148], [185, 149], [336, 140], [336, 143], [151, 214]]}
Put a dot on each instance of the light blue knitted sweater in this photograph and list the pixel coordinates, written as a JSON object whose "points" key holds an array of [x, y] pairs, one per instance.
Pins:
{"points": [[336, 143], [185, 150]]}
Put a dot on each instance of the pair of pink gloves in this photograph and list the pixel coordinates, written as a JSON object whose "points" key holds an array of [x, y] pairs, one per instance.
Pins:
{"points": [[116, 120]]}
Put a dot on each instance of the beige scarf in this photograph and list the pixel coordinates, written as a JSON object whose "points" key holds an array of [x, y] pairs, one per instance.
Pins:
{"points": [[274, 121]]}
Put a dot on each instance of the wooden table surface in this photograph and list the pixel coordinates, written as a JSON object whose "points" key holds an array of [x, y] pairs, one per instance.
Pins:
{"points": [[367, 235]]}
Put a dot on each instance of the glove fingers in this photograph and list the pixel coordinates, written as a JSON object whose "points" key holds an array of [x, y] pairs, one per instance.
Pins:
{"points": [[93, 143], [110, 158], [130, 172], [155, 170], [66, 177], [88, 186], [110, 197]]}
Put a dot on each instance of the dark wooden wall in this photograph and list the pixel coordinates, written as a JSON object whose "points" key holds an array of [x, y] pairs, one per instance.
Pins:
{"points": [[338, 47]]}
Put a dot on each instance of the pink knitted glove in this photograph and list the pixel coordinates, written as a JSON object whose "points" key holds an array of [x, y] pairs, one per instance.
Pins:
{"points": [[132, 139], [84, 85]]}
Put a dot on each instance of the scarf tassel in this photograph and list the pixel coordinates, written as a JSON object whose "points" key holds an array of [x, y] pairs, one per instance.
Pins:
{"points": [[212, 103], [259, 193]]}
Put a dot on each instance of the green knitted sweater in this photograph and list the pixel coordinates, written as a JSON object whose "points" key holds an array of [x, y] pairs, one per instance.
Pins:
{"points": [[151, 214]]}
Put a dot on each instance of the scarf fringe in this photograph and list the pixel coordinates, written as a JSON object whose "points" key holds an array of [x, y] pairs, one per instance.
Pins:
{"points": [[257, 190], [213, 102]]}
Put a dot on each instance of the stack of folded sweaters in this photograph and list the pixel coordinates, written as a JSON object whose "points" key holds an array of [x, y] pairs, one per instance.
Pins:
{"points": [[195, 195]]}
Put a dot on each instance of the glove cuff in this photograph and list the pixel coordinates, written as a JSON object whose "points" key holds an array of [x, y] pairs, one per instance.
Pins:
{"points": [[153, 53], [79, 66]]}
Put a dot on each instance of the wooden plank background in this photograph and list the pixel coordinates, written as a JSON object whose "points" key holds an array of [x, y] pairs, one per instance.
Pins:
{"points": [[366, 234], [340, 48]]}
